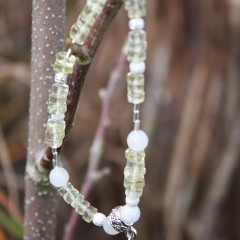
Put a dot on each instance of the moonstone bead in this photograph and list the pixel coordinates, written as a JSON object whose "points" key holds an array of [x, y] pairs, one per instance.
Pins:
{"points": [[60, 78], [98, 219], [137, 140], [137, 67], [130, 214], [59, 177], [108, 227]]}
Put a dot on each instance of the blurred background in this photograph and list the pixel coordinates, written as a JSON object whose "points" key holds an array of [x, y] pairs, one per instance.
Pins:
{"points": [[191, 115]]}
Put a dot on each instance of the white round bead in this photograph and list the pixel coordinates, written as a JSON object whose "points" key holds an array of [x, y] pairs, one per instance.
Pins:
{"points": [[136, 23], [60, 78], [132, 201], [98, 219], [59, 177], [137, 67], [108, 227], [130, 214], [137, 140]]}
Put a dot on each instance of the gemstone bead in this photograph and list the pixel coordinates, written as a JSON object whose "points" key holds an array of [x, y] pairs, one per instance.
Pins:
{"points": [[135, 9], [58, 177], [136, 23], [129, 214], [108, 227], [137, 67], [98, 219], [72, 196], [60, 78], [135, 88], [137, 140], [137, 46], [134, 174], [55, 132], [64, 64]]}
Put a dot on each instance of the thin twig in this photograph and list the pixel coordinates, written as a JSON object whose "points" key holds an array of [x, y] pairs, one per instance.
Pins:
{"points": [[96, 149]]}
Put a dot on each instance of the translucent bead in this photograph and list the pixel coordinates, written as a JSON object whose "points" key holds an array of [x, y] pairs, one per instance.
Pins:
{"points": [[60, 90], [60, 78], [135, 87], [82, 206], [55, 132], [136, 23], [64, 64], [98, 219], [57, 117], [79, 33], [137, 140], [134, 175], [137, 46], [129, 214], [135, 9], [108, 227], [89, 213], [58, 177], [137, 67]]}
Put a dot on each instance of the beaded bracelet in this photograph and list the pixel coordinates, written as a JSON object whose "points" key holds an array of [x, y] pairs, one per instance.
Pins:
{"points": [[121, 218]]}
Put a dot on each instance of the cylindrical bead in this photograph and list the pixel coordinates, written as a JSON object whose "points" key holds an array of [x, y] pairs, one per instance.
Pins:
{"points": [[135, 87], [134, 173], [137, 46], [135, 9], [55, 132], [72, 196], [64, 64]]}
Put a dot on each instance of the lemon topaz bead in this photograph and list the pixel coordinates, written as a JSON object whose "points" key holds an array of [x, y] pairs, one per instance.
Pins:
{"points": [[57, 99], [135, 87], [55, 133], [137, 46], [64, 64], [135, 9], [134, 173]]}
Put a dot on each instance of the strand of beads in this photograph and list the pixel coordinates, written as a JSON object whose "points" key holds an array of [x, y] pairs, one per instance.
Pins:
{"points": [[137, 140]]}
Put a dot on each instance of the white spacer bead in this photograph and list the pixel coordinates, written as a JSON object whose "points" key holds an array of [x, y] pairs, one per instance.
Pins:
{"points": [[137, 67], [108, 227], [137, 140], [57, 117], [136, 23], [129, 214], [59, 177], [60, 78], [98, 219], [132, 201]]}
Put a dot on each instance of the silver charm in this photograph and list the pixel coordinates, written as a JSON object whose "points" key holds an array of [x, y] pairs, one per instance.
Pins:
{"points": [[120, 226]]}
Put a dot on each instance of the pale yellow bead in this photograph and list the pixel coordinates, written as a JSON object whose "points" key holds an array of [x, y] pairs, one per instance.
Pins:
{"points": [[55, 132], [135, 87], [89, 213], [137, 46], [56, 105], [135, 9], [79, 34], [63, 63]]}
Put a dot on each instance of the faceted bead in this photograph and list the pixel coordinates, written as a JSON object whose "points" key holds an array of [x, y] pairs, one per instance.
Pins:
{"points": [[135, 9], [133, 193], [79, 33], [56, 106], [59, 177], [64, 64], [89, 214], [55, 132], [60, 90], [135, 87], [137, 46]]}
